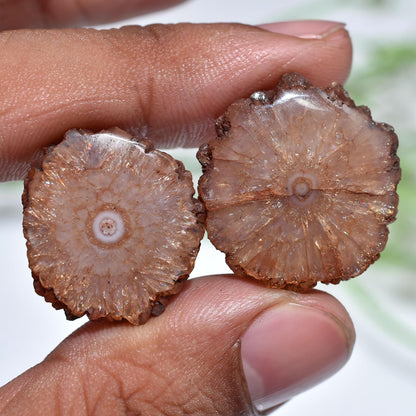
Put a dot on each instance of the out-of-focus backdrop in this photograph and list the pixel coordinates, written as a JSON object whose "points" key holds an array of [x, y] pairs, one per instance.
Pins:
{"points": [[380, 378]]}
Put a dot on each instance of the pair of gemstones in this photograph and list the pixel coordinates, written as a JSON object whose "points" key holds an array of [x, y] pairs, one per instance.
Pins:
{"points": [[298, 188]]}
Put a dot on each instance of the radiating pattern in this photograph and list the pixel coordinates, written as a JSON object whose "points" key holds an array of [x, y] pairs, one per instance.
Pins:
{"points": [[300, 185], [94, 187]]}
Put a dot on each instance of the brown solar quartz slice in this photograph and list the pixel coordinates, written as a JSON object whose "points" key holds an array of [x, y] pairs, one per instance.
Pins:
{"points": [[299, 185], [111, 224]]}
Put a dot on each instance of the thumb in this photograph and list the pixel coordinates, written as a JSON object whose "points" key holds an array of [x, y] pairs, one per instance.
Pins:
{"points": [[221, 346]]}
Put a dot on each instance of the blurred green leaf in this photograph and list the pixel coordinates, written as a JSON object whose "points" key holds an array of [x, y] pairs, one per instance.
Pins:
{"points": [[383, 62], [385, 83]]}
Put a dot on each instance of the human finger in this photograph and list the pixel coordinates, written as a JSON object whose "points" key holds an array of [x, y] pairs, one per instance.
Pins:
{"points": [[223, 345], [16, 14], [166, 82]]}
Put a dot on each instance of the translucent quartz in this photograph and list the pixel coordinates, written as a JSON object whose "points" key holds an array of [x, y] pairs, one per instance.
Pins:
{"points": [[300, 185], [111, 226]]}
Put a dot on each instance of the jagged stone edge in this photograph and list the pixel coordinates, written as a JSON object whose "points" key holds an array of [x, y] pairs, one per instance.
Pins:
{"points": [[157, 305], [340, 97]]}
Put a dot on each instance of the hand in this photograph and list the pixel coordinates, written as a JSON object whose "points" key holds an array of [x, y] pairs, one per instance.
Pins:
{"points": [[224, 343]]}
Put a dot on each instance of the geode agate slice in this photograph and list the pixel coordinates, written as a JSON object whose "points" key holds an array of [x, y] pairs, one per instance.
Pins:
{"points": [[300, 185], [111, 224]]}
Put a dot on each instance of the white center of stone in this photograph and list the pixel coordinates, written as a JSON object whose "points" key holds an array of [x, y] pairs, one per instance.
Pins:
{"points": [[301, 188], [108, 227]]}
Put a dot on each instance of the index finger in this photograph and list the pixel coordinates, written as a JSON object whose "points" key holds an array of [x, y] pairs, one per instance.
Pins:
{"points": [[166, 82], [15, 14]]}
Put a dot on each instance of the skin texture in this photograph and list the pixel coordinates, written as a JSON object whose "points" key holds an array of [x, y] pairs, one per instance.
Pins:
{"points": [[15, 14], [187, 361], [107, 369], [102, 80]]}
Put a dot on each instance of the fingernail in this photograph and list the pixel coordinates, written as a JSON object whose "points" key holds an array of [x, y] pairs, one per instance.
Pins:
{"points": [[290, 348], [305, 29]]}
